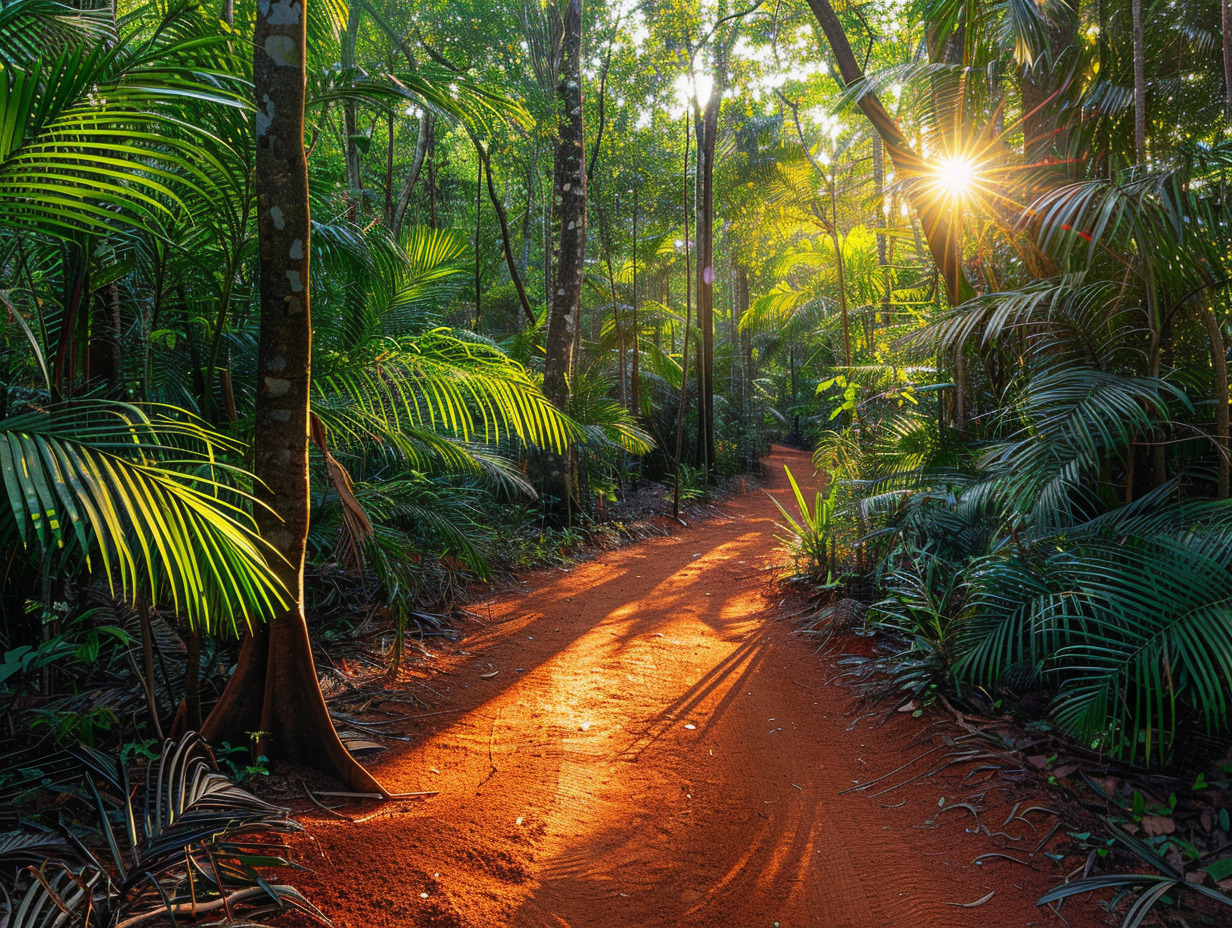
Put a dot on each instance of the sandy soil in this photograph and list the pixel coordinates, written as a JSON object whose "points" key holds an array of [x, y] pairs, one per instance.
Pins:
{"points": [[656, 748]]}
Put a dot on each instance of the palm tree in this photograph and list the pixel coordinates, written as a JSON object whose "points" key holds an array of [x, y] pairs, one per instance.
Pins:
{"points": [[144, 498]]}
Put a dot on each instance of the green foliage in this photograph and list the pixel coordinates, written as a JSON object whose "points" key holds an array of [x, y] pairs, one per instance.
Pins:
{"points": [[1153, 888], [1122, 618], [1032, 482], [810, 537], [94, 139], [182, 839], [145, 500], [693, 482]]}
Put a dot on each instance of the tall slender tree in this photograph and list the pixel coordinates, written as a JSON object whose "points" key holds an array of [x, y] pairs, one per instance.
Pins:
{"points": [[274, 690], [707, 136], [635, 375], [502, 218], [569, 240], [569, 193], [1139, 37], [408, 186], [684, 350], [350, 114], [1225, 9]]}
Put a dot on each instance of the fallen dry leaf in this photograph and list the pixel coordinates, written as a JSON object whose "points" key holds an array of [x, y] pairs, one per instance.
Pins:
{"points": [[1156, 825]]}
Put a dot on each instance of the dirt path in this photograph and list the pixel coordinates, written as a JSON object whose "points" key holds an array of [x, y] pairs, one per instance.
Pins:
{"points": [[658, 750]]}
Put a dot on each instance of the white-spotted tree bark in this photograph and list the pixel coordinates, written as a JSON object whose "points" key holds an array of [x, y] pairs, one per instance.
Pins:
{"points": [[569, 191], [707, 133], [274, 690], [569, 240]]}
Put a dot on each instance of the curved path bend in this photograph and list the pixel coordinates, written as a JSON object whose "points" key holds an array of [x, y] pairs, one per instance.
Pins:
{"points": [[657, 749]]}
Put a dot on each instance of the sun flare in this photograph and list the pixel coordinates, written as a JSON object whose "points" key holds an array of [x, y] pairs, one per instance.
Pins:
{"points": [[956, 176]]}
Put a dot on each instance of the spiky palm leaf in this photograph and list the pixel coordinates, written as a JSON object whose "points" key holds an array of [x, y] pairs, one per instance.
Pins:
{"points": [[1072, 420], [195, 846], [143, 500], [93, 137], [603, 421], [441, 382], [33, 28]]}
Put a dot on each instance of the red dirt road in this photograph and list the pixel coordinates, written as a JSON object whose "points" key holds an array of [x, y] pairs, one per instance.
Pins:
{"points": [[658, 749]]}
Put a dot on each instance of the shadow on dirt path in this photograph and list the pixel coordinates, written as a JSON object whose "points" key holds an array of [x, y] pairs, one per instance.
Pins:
{"points": [[656, 749]]}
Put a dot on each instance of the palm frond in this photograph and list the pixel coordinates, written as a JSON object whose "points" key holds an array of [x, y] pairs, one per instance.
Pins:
{"points": [[94, 137], [30, 29], [439, 381], [144, 501]]}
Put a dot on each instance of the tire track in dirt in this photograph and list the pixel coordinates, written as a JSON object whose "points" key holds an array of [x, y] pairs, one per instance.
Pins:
{"points": [[657, 750]]}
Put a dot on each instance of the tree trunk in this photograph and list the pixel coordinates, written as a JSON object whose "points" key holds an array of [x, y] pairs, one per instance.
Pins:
{"points": [[795, 393], [527, 218], [478, 218], [840, 269], [569, 236], [684, 354], [595, 150], [742, 296], [506, 242], [1102, 58], [883, 258], [960, 390], [432, 185], [389, 169], [1139, 82], [421, 151], [569, 193], [275, 690], [549, 216], [349, 115], [64, 369], [1219, 363], [635, 372], [943, 239], [605, 239], [106, 330], [1226, 9], [707, 131]]}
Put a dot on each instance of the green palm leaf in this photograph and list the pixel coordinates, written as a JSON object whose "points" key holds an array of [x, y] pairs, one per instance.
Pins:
{"points": [[94, 138], [142, 500], [441, 382], [29, 28]]}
